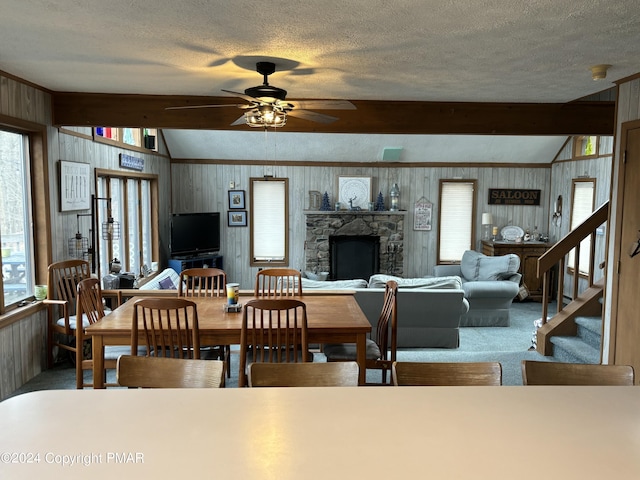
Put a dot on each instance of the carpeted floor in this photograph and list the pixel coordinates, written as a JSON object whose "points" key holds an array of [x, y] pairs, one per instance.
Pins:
{"points": [[507, 345]]}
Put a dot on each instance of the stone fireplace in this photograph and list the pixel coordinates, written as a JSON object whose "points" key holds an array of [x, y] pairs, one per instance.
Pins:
{"points": [[387, 227]]}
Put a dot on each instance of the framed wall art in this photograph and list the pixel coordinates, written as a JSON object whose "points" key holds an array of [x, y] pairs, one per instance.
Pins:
{"points": [[236, 199], [75, 186], [422, 214], [354, 191], [237, 218]]}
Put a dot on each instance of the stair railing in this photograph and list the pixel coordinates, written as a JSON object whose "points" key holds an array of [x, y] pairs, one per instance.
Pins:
{"points": [[556, 256]]}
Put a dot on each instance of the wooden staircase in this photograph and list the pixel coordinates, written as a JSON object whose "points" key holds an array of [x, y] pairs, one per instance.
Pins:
{"points": [[574, 332]]}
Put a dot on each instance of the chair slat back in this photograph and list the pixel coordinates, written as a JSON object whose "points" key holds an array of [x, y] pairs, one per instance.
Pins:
{"points": [[89, 300], [278, 282], [331, 374], [555, 373], [63, 279], [273, 331], [202, 282], [170, 327], [387, 328], [159, 372], [447, 373]]}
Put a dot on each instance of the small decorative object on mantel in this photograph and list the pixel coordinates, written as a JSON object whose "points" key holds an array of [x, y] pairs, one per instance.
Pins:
{"points": [[379, 203], [394, 193], [422, 214], [315, 198], [326, 205]]}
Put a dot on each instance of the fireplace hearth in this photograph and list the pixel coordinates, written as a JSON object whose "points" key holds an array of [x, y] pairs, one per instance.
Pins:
{"points": [[386, 228]]}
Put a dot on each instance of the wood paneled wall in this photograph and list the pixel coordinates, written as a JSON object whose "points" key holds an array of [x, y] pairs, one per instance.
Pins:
{"points": [[621, 339], [198, 187], [22, 342], [563, 171]]}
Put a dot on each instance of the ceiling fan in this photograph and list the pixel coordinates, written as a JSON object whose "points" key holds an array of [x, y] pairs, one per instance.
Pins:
{"points": [[268, 106]]}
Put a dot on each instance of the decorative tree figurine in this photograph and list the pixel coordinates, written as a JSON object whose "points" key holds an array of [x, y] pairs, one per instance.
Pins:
{"points": [[379, 203], [326, 206]]}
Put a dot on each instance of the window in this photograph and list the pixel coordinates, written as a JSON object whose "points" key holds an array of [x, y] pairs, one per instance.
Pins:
{"points": [[269, 221], [585, 146], [15, 219], [133, 204], [143, 138], [456, 229], [582, 199]]}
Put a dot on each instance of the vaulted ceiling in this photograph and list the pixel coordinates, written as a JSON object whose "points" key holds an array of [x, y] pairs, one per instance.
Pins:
{"points": [[409, 66]]}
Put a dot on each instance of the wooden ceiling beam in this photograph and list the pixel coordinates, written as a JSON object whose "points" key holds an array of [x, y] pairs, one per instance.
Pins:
{"points": [[371, 116]]}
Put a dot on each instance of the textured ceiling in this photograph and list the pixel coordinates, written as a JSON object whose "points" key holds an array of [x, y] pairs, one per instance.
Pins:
{"points": [[439, 50]]}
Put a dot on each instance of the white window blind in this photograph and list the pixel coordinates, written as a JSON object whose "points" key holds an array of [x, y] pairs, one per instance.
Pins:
{"points": [[269, 220], [581, 209], [456, 220]]}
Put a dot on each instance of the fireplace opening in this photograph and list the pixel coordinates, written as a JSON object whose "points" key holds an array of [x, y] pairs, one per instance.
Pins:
{"points": [[354, 256]]}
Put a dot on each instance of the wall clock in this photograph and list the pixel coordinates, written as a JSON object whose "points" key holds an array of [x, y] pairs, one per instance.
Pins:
{"points": [[354, 189]]}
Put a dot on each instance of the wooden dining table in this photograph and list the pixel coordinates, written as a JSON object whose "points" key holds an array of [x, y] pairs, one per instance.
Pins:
{"points": [[484, 433], [331, 318]]}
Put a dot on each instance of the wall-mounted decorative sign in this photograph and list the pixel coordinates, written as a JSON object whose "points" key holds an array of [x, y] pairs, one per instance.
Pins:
{"points": [[134, 163], [236, 199], [237, 218], [422, 214], [513, 196], [75, 190]]}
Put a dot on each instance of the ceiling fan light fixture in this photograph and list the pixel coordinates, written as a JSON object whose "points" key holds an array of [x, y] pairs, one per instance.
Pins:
{"points": [[265, 117]]}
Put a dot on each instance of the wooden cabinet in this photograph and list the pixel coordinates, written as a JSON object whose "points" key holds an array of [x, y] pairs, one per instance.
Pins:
{"points": [[529, 252]]}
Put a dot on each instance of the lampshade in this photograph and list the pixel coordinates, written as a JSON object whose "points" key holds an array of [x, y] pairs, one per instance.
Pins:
{"points": [[487, 219]]}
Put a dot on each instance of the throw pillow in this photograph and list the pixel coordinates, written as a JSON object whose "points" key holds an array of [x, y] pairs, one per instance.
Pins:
{"points": [[470, 265], [166, 284], [497, 268]]}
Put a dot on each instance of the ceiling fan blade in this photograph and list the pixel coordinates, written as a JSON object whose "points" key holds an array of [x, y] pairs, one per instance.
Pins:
{"points": [[237, 105], [248, 98], [312, 116], [240, 121], [323, 104]]}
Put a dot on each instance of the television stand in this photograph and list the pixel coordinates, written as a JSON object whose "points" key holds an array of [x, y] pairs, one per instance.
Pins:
{"points": [[212, 260]]}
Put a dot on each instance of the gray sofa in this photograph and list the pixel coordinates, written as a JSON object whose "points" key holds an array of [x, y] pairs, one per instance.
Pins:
{"points": [[429, 309], [490, 284]]}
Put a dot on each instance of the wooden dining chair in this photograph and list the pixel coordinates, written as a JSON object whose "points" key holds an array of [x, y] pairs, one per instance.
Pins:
{"points": [[554, 373], [335, 374], [90, 307], [206, 282], [273, 331], [447, 373], [202, 282], [161, 372], [381, 352], [278, 282], [62, 288], [170, 327]]}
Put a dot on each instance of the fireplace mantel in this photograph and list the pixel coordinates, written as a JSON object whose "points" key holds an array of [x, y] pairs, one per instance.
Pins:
{"points": [[387, 225]]}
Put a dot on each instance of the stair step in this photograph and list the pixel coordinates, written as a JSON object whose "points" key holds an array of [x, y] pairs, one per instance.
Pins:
{"points": [[574, 350], [590, 330]]}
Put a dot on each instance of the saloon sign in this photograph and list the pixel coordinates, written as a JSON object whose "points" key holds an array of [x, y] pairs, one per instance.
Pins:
{"points": [[513, 196]]}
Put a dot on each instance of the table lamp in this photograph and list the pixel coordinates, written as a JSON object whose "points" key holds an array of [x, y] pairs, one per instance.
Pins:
{"points": [[487, 223]]}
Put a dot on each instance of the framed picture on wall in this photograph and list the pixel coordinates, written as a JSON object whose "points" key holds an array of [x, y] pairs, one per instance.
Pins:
{"points": [[237, 218], [354, 191], [236, 199], [75, 186]]}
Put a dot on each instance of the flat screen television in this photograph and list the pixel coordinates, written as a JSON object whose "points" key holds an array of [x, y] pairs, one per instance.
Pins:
{"points": [[195, 233]]}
